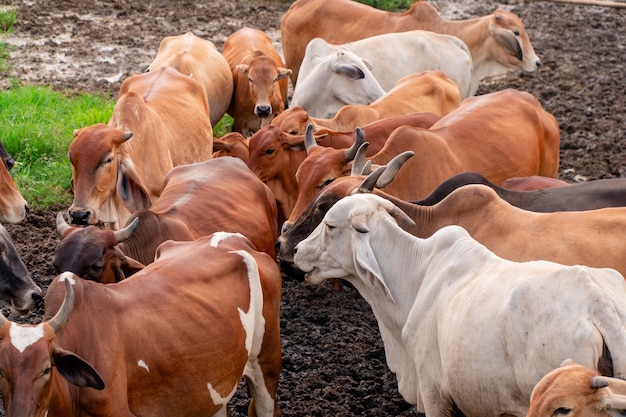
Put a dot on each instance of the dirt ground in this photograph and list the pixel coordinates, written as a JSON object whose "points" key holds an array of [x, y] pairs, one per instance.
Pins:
{"points": [[333, 357]]}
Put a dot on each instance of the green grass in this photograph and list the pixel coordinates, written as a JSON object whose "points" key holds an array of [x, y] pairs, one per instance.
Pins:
{"points": [[391, 5]]}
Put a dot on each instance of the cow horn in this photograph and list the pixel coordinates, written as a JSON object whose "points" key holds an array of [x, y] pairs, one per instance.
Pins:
{"points": [[598, 382], [62, 225], [309, 139], [392, 168], [359, 160], [401, 216], [367, 186], [64, 312], [128, 135], [350, 153], [367, 168], [123, 234]]}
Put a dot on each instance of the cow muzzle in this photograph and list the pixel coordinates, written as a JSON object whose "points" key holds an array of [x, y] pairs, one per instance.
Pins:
{"points": [[263, 111], [82, 216]]}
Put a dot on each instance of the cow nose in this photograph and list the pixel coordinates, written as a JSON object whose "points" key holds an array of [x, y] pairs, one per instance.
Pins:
{"points": [[538, 63], [277, 246], [263, 111], [80, 217], [10, 163], [37, 297]]}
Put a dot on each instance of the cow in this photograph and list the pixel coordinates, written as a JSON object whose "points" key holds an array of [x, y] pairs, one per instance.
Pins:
{"points": [[577, 391], [331, 79], [499, 135], [175, 340], [165, 113], [428, 294], [260, 80], [573, 197], [395, 55], [199, 58], [232, 144], [13, 206], [423, 92], [275, 155], [18, 291], [7, 159], [499, 38], [220, 194]]}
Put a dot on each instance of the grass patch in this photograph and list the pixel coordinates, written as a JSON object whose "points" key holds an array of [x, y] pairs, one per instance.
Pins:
{"points": [[8, 18], [391, 5]]}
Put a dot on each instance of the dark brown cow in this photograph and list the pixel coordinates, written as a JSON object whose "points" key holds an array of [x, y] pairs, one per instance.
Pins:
{"points": [[260, 80], [221, 194], [160, 120], [175, 340]]}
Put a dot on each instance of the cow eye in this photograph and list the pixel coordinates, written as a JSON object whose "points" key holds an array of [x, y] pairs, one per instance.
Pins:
{"points": [[325, 183], [561, 411], [330, 227], [293, 132], [269, 151], [108, 160], [516, 32], [46, 371], [251, 80]]}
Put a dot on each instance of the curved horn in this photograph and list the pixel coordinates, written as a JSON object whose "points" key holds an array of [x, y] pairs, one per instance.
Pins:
{"points": [[367, 186], [401, 216], [392, 168], [64, 312], [598, 382], [62, 225], [123, 234], [359, 160], [350, 153], [309, 139], [367, 168]]}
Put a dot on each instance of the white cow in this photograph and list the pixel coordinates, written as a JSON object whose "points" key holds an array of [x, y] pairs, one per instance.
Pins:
{"points": [[330, 78], [463, 329]]}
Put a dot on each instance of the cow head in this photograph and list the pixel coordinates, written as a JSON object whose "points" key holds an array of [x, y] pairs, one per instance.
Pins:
{"points": [[100, 173], [293, 121], [7, 159], [233, 144], [13, 207], [18, 291], [263, 75], [31, 364], [508, 31], [92, 254]]}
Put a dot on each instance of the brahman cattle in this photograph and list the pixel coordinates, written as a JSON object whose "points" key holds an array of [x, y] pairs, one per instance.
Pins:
{"points": [[573, 390], [498, 38], [423, 92], [260, 80], [199, 58], [395, 55], [13, 206], [499, 135], [465, 331], [331, 79], [275, 155], [220, 194], [175, 340], [18, 291], [574, 197], [160, 120]]}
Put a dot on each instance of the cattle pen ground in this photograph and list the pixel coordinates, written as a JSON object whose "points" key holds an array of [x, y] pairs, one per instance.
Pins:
{"points": [[333, 357]]}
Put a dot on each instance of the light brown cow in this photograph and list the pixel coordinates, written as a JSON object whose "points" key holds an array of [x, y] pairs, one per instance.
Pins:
{"points": [[499, 135], [498, 37], [574, 390], [175, 340], [275, 155], [260, 79], [423, 92], [13, 207], [199, 58], [160, 120]]}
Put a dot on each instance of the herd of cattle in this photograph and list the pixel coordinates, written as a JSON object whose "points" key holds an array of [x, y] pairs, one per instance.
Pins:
{"points": [[494, 284]]}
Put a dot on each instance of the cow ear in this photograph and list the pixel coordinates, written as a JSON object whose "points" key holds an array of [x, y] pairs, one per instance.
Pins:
{"points": [[351, 71], [128, 266], [242, 68], [507, 39], [130, 188], [367, 266], [283, 73], [75, 370]]}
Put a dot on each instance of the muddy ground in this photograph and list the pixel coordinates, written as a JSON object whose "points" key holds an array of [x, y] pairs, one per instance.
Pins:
{"points": [[333, 358]]}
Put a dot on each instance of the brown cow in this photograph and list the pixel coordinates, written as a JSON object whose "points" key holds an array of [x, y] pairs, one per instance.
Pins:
{"points": [[220, 194], [423, 92], [260, 79], [199, 58], [13, 206], [175, 340], [576, 391], [499, 135], [499, 37], [165, 113], [231, 144]]}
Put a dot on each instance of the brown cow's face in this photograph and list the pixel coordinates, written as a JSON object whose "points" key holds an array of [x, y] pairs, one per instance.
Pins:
{"points": [[263, 76], [13, 207], [293, 121], [94, 170], [508, 30]]}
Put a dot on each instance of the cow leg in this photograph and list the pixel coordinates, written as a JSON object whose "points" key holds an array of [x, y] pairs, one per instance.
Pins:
{"points": [[262, 402], [223, 412]]}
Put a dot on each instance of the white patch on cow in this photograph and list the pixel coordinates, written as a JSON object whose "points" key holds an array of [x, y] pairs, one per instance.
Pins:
{"points": [[24, 336], [217, 398], [142, 364], [219, 236], [69, 276]]}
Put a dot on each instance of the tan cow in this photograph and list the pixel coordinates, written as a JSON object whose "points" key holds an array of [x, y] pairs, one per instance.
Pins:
{"points": [[13, 207], [499, 135], [499, 37], [199, 58], [423, 92], [259, 77], [175, 340], [574, 390], [160, 120]]}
